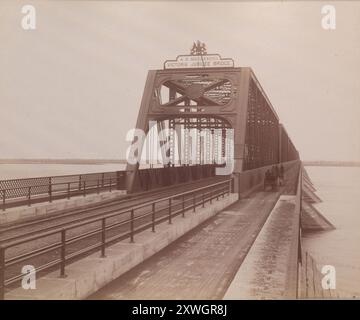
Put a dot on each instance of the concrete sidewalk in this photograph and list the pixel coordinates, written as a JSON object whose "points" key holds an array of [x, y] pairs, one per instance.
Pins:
{"points": [[201, 264], [269, 271]]}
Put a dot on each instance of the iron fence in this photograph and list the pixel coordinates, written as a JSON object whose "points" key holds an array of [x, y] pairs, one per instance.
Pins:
{"points": [[131, 222], [15, 192]]}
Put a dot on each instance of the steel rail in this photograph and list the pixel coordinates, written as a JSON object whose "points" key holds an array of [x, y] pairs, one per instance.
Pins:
{"points": [[206, 193], [88, 210]]}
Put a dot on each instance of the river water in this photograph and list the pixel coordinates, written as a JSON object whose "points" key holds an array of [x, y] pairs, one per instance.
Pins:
{"points": [[339, 188], [16, 171]]}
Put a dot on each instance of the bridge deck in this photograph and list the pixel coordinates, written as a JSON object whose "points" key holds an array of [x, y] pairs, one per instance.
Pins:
{"points": [[201, 264]]}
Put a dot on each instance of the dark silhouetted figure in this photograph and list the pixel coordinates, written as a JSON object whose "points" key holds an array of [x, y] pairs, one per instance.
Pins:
{"points": [[269, 179], [281, 175]]}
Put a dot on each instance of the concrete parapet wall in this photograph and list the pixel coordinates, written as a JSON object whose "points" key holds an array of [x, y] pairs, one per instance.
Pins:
{"points": [[24, 213], [88, 275]]}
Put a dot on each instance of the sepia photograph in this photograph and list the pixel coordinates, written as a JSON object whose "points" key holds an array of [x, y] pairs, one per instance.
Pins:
{"points": [[199, 151]]}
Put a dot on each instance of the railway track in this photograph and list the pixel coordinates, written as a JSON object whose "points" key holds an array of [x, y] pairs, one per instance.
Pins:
{"points": [[57, 241], [72, 216]]}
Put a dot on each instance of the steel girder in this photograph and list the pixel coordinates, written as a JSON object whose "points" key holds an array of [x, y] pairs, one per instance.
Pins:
{"points": [[217, 98]]}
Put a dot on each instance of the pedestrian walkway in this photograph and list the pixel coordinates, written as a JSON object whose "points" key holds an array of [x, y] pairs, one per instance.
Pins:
{"points": [[201, 264], [270, 269]]}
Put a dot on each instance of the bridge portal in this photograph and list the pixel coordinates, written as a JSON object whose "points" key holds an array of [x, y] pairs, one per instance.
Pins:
{"points": [[204, 110]]}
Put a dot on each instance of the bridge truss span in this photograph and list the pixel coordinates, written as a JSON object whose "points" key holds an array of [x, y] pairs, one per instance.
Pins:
{"points": [[217, 115]]}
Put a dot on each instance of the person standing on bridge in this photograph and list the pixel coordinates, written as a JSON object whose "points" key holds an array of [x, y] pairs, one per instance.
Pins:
{"points": [[275, 174], [281, 175], [267, 178]]}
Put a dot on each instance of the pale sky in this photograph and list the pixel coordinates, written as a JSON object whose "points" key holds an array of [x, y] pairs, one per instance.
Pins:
{"points": [[72, 87]]}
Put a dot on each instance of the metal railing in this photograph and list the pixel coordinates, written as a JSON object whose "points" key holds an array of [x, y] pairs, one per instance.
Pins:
{"points": [[132, 223], [17, 192], [64, 190], [26, 191]]}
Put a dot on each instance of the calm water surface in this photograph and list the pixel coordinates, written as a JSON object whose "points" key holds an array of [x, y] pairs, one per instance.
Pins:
{"points": [[15, 171], [339, 188]]}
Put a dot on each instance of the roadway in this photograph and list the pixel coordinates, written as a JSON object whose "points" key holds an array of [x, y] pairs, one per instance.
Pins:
{"points": [[202, 263]]}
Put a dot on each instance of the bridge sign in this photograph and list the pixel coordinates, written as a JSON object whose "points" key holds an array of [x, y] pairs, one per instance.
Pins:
{"points": [[198, 58], [199, 61]]}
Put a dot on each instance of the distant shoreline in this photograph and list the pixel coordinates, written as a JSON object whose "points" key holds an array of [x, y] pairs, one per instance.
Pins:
{"points": [[331, 163], [61, 161], [123, 161]]}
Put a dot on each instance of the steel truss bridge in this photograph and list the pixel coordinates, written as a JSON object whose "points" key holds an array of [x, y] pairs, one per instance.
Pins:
{"points": [[200, 106], [201, 114], [186, 113]]}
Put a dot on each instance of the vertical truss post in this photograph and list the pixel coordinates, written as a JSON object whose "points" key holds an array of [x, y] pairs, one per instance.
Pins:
{"points": [[198, 141], [186, 141], [208, 145], [179, 142], [223, 143], [172, 141]]}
